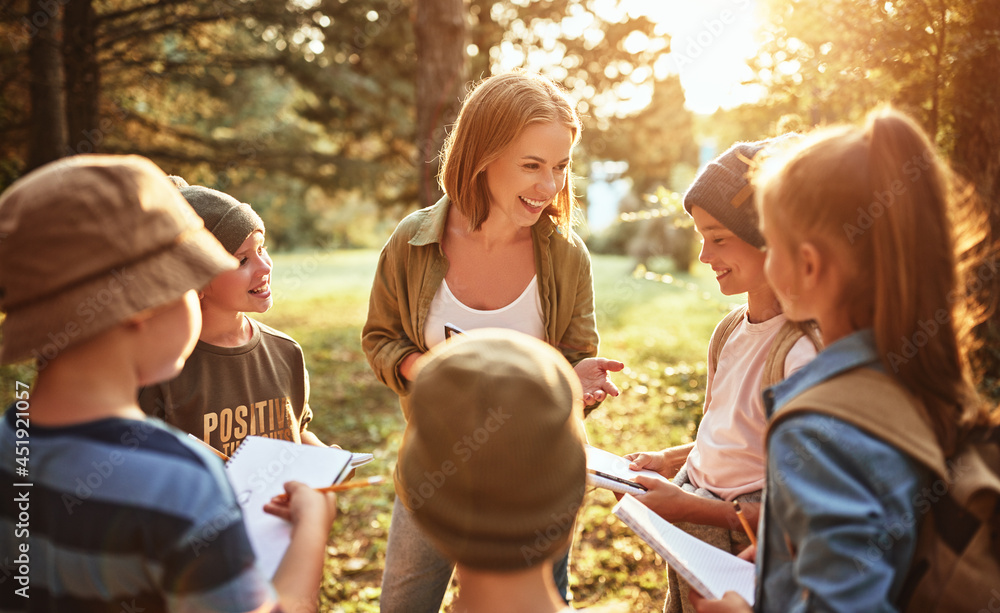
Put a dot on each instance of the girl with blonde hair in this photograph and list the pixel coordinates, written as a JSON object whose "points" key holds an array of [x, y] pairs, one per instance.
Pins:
{"points": [[864, 234]]}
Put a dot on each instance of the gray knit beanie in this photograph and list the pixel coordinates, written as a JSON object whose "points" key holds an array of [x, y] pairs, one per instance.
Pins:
{"points": [[724, 191], [230, 220]]}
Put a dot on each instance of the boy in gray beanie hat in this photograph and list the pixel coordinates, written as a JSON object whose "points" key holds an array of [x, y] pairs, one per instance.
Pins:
{"points": [[243, 378], [755, 345]]}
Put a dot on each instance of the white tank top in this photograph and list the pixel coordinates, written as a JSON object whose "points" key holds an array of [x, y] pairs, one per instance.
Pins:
{"points": [[523, 315]]}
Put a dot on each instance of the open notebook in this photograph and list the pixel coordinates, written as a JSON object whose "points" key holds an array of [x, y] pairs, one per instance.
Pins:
{"points": [[710, 571], [611, 472], [258, 471]]}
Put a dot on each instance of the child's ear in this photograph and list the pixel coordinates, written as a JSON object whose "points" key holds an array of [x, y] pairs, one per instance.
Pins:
{"points": [[810, 262]]}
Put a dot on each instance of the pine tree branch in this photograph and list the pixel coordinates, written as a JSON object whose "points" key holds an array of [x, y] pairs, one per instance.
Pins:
{"points": [[136, 10], [123, 34]]}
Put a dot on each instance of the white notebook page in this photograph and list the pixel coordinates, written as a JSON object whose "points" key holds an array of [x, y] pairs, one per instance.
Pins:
{"points": [[709, 570], [258, 471]]}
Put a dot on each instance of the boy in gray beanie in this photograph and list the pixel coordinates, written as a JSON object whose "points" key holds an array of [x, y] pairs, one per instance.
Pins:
{"points": [[755, 344], [243, 378]]}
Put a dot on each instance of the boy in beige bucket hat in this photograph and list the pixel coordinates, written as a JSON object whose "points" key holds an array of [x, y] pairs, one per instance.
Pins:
{"points": [[99, 260]]}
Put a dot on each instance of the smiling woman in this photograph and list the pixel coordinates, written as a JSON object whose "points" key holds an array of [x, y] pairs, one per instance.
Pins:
{"points": [[496, 252], [530, 172]]}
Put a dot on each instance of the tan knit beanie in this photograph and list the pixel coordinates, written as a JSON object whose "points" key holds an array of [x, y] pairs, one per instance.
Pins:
{"points": [[492, 463], [230, 220]]}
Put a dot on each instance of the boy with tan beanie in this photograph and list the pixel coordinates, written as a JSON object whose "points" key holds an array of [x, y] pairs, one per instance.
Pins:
{"points": [[111, 510], [754, 343], [243, 377], [493, 465]]}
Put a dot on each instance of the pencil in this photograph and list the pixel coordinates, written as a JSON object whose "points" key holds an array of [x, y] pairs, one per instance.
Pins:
{"points": [[339, 487], [743, 520], [214, 450]]}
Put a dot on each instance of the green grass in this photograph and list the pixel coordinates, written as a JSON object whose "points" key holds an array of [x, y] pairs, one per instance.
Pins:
{"points": [[659, 329]]}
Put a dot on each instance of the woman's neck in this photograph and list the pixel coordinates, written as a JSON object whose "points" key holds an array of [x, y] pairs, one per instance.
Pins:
{"points": [[528, 591], [492, 234]]}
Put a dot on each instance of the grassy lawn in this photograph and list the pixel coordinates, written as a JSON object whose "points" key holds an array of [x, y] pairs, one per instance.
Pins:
{"points": [[658, 327]]}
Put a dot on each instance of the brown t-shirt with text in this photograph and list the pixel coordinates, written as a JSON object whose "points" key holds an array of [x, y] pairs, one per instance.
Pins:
{"points": [[225, 394]]}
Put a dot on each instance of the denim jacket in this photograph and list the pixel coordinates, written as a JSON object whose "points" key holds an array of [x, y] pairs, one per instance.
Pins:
{"points": [[839, 525], [413, 265]]}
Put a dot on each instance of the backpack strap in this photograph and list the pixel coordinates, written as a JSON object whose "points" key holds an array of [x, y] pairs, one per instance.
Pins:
{"points": [[722, 333], [897, 417], [784, 340], [956, 565]]}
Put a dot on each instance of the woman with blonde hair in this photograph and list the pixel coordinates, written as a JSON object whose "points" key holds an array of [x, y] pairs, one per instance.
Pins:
{"points": [[861, 236], [497, 251]]}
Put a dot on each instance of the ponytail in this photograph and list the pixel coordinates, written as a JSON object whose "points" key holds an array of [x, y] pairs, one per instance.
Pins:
{"points": [[917, 312], [882, 197]]}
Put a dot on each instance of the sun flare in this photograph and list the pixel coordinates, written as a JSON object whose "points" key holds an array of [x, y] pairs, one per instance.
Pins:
{"points": [[710, 42]]}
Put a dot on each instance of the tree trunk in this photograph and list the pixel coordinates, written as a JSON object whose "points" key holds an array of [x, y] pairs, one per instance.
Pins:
{"points": [[83, 119], [48, 102], [440, 30], [976, 151]]}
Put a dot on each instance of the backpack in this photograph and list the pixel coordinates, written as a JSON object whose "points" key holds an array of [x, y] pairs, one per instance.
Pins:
{"points": [[784, 340], [956, 565]]}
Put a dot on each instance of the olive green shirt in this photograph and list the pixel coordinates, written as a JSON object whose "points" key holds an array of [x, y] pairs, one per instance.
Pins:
{"points": [[413, 265]]}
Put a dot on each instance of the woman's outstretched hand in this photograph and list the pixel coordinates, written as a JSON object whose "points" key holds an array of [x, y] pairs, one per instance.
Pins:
{"points": [[593, 374]]}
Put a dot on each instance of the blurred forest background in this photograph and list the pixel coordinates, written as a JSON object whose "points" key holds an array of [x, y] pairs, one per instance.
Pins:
{"points": [[327, 115]]}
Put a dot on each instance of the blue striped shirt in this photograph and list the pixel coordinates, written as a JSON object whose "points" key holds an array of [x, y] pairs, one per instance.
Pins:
{"points": [[121, 515]]}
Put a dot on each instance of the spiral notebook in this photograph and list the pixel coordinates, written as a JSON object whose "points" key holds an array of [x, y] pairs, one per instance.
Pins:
{"points": [[711, 571], [258, 470], [611, 472]]}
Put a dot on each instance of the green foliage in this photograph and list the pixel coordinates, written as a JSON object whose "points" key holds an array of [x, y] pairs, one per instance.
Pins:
{"points": [[833, 61], [259, 99], [273, 101], [654, 141], [652, 228]]}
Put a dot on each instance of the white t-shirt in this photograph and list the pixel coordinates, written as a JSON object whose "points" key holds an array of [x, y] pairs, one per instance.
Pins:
{"points": [[524, 314], [728, 454]]}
